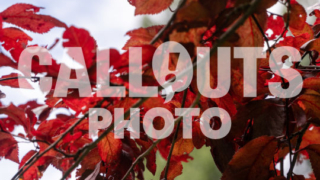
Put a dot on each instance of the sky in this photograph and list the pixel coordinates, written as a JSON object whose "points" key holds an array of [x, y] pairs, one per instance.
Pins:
{"points": [[106, 20]]}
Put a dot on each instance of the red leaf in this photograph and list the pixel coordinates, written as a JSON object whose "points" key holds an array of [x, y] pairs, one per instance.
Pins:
{"points": [[36, 170], [147, 55], [18, 115], [298, 17], [151, 157], [311, 45], [312, 83], [47, 129], [150, 6], [142, 36], [222, 152], [15, 41], [24, 15], [276, 24], [89, 162], [6, 61], [8, 147], [95, 173], [81, 38], [182, 146], [226, 102], [252, 161], [296, 41], [175, 169], [14, 82], [316, 12], [198, 137], [314, 154], [110, 149], [193, 11], [81, 104], [309, 101], [72, 137]]}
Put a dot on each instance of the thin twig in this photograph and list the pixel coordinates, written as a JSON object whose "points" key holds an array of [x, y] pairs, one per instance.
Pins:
{"points": [[175, 136], [53, 144], [195, 102], [33, 79], [295, 156], [161, 32], [283, 83]]}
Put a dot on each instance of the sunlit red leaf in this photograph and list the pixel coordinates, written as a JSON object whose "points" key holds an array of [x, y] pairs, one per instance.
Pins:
{"points": [[25, 16], [296, 41], [174, 170], [81, 38], [298, 17], [142, 36], [35, 172], [276, 24], [110, 149], [182, 146], [18, 115], [15, 41], [150, 6]]}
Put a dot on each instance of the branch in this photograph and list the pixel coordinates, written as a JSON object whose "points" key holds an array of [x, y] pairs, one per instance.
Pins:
{"points": [[22, 170], [178, 120], [218, 42], [36, 141], [27, 163], [268, 45], [175, 136], [295, 156], [283, 83], [161, 32], [33, 79]]}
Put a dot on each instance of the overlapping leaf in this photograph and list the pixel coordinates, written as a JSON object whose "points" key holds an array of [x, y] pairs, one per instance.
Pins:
{"points": [[24, 15]]}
